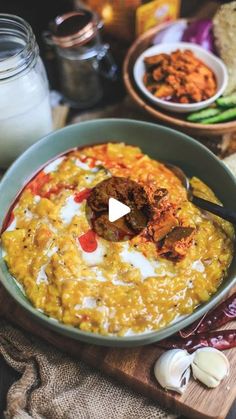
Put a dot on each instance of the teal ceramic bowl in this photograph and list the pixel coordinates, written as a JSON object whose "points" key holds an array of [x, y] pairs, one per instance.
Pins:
{"points": [[158, 142]]}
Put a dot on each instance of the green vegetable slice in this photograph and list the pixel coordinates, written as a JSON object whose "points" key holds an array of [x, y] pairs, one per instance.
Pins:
{"points": [[227, 101], [221, 117], [205, 113]]}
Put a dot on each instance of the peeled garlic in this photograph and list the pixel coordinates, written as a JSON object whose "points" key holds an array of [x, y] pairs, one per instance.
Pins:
{"points": [[210, 366], [172, 370]]}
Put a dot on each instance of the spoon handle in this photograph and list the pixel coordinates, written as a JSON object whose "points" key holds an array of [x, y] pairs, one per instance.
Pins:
{"points": [[222, 212]]}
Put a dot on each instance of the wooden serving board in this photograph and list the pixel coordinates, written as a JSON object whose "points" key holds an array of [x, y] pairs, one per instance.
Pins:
{"points": [[134, 367]]}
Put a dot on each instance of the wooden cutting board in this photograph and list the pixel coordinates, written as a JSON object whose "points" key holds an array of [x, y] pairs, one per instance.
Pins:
{"points": [[134, 367]]}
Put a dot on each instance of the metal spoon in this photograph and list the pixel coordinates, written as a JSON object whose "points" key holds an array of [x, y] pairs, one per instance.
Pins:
{"points": [[225, 213]]}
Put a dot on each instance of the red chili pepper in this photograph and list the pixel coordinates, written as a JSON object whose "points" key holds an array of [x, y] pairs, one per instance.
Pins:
{"points": [[80, 196], [214, 319], [38, 182], [88, 241], [219, 339]]}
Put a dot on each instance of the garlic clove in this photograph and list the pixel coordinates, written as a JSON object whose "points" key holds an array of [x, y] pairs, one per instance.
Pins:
{"points": [[210, 366], [204, 377], [172, 370]]}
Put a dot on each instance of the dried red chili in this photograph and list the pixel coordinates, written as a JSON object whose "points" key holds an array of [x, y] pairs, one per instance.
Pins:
{"points": [[214, 319], [220, 339]]}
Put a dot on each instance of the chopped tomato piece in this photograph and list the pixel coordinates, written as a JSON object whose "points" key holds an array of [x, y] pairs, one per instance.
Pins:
{"points": [[88, 241], [80, 196], [38, 182]]}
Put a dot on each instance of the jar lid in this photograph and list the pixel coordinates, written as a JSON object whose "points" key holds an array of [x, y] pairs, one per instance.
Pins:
{"points": [[74, 28]]}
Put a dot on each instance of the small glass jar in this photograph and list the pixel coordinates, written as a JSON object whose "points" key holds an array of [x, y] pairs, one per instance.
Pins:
{"points": [[83, 61], [25, 113]]}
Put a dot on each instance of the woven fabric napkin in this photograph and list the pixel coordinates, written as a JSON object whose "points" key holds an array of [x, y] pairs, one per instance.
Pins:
{"points": [[56, 386]]}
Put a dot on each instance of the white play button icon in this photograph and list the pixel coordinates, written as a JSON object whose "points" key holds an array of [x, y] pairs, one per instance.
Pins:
{"points": [[116, 209]]}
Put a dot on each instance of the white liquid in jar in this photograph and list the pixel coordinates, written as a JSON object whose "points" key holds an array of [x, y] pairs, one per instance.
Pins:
{"points": [[25, 114]]}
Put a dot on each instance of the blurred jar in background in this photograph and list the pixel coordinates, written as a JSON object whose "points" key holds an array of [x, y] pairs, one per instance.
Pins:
{"points": [[82, 59], [25, 114], [126, 19]]}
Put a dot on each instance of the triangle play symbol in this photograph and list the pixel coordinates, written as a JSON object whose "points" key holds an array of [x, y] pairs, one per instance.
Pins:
{"points": [[116, 209]]}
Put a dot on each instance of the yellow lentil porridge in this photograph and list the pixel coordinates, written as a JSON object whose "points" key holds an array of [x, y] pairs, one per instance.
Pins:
{"points": [[105, 287]]}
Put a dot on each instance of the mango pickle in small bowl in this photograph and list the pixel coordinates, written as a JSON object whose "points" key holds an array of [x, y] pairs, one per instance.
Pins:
{"points": [[180, 77]]}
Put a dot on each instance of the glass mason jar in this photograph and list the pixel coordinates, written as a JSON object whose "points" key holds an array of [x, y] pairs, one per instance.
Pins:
{"points": [[83, 60], [25, 113]]}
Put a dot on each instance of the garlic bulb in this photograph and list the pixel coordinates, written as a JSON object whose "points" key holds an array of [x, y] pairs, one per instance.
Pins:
{"points": [[210, 366], [172, 370]]}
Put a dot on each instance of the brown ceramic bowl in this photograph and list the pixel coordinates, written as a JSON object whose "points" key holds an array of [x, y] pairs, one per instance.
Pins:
{"points": [[175, 120]]}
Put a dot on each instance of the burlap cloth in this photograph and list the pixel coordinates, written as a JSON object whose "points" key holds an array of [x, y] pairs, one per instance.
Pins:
{"points": [[53, 385], [56, 386]]}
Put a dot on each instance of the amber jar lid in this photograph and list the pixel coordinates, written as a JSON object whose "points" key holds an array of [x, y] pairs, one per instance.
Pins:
{"points": [[74, 28]]}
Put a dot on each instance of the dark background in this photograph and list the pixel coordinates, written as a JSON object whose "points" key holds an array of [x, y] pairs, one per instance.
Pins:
{"points": [[40, 12]]}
